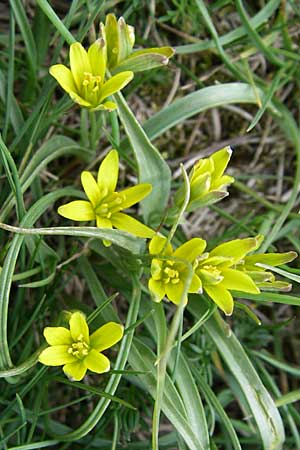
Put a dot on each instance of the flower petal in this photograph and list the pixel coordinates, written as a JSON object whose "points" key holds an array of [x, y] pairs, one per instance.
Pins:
{"points": [[76, 370], [221, 296], [91, 188], [80, 210], [174, 292], [221, 160], [97, 58], [237, 249], [106, 106], [79, 63], [81, 101], [63, 76], [106, 336], [115, 84], [57, 355], [96, 362], [157, 288], [57, 336], [102, 222], [196, 284], [108, 173], [127, 223], [272, 259], [190, 249], [157, 245], [78, 327], [135, 194], [239, 281]]}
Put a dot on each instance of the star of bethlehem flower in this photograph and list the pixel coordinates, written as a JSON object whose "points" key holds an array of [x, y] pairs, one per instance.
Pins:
{"points": [[104, 204], [169, 274], [229, 267], [120, 40], [85, 82], [208, 184], [76, 350]]}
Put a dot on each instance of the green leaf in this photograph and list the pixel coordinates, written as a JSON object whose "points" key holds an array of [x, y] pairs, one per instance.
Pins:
{"points": [[151, 166], [265, 413]]}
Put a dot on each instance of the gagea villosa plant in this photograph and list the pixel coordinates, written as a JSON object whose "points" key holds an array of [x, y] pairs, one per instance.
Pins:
{"points": [[116, 290]]}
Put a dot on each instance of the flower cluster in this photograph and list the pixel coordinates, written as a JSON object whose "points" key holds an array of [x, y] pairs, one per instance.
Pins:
{"points": [[227, 267], [76, 350], [86, 82]]}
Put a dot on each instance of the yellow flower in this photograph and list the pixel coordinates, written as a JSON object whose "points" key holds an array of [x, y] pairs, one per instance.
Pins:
{"points": [[85, 82], [76, 350], [169, 274], [104, 203], [208, 183], [120, 54], [218, 272]]}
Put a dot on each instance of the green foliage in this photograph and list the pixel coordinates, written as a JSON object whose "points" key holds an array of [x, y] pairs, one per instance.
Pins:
{"points": [[181, 377]]}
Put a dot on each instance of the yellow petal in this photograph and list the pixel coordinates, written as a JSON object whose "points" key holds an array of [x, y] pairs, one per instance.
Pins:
{"points": [[174, 292], [79, 210], [57, 355], [106, 106], [157, 289], [135, 194], [112, 39], [127, 223], [115, 84], [79, 63], [57, 336], [221, 160], [221, 296], [97, 58], [237, 249], [190, 249], [272, 259], [78, 327], [239, 281], [196, 284], [63, 76], [96, 362], [106, 336], [91, 188], [75, 371], [81, 101], [157, 245], [108, 173], [102, 222]]}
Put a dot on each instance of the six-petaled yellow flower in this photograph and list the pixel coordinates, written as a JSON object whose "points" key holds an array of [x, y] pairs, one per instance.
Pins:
{"points": [[218, 274], [85, 82], [170, 269], [105, 204], [208, 183], [76, 350]]}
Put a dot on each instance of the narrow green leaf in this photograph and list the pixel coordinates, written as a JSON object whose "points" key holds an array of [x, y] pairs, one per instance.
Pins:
{"points": [[265, 413], [151, 166]]}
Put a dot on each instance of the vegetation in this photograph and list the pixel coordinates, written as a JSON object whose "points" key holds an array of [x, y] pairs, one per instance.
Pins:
{"points": [[195, 285]]}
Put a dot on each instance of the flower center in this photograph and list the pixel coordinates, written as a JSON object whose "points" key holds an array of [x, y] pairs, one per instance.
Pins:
{"points": [[212, 270], [109, 204], [91, 85], [165, 271], [80, 348]]}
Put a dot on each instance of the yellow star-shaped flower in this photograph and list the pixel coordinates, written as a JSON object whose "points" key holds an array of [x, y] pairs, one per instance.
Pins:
{"points": [[76, 350], [85, 82], [105, 204]]}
